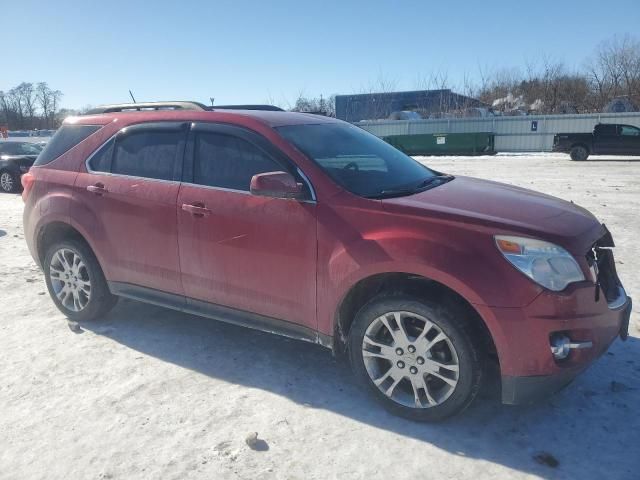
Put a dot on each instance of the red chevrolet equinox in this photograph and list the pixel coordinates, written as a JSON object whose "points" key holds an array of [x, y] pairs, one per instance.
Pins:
{"points": [[312, 228]]}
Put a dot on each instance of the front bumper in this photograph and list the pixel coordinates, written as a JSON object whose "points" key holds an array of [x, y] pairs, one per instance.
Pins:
{"points": [[517, 390], [522, 338], [523, 390]]}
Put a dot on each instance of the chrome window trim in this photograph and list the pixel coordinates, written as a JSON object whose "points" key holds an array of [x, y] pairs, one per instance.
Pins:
{"points": [[245, 192], [149, 179], [93, 154], [309, 184], [222, 189], [87, 165]]}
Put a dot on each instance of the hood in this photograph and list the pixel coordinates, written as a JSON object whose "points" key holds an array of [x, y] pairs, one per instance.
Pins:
{"points": [[506, 207]]}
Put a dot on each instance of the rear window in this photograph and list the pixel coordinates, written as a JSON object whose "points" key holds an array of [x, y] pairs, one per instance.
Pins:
{"points": [[607, 129], [65, 138]]}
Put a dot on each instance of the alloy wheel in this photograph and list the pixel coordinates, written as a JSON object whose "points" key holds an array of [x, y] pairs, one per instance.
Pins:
{"points": [[410, 359], [70, 279], [6, 182]]}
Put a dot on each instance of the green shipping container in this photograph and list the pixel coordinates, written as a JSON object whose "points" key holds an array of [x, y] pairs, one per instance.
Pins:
{"points": [[444, 143]]}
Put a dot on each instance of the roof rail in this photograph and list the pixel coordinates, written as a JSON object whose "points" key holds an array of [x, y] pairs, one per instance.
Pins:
{"points": [[137, 107], [271, 108]]}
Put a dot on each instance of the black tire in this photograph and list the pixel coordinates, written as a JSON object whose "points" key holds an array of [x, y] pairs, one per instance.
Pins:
{"points": [[451, 321], [100, 300], [579, 153], [9, 182]]}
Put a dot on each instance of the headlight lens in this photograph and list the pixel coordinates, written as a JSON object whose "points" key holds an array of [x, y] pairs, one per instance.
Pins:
{"points": [[545, 263]]}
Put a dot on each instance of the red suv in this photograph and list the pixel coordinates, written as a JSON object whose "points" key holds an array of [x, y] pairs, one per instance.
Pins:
{"points": [[312, 228]]}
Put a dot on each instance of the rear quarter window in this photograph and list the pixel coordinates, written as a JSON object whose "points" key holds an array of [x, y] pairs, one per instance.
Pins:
{"points": [[64, 139]]}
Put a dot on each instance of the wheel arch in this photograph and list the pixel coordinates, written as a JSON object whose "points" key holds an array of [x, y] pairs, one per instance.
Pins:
{"points": [[404, 283], [580, 144], [55, 231]]}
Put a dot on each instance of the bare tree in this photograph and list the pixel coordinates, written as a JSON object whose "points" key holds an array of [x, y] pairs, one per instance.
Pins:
{"points": [[614, 71], [27, 95], [381, 90], [44, 98], [319, 105], [16, 105], [56, 95], [27, 106]]}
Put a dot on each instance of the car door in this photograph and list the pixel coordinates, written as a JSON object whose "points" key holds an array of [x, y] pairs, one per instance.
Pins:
{"points": [[131, 187], [630, 140], [606, 139], [250, 253]]}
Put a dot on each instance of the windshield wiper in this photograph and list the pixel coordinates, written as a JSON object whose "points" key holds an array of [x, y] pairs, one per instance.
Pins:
{"points": [[405, 190]]}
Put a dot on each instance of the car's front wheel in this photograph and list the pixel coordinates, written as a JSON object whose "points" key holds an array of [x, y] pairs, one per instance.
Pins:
{"points": [[75, 281], [9, 182], [415, 356]]}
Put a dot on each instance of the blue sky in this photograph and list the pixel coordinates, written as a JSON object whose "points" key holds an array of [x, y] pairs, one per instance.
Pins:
{"points": [[257, 51]]}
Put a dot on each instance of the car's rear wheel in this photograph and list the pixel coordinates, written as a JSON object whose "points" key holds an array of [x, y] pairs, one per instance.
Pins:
{"points": [[415, 356], [9, 182], [579, 153], [75, 281]]}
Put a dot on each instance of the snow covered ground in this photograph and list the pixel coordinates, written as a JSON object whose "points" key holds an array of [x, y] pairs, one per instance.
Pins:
{"points": [[150, 393]]}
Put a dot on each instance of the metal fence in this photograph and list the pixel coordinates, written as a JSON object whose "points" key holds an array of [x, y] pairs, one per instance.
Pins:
{"points": [[531, 133]]}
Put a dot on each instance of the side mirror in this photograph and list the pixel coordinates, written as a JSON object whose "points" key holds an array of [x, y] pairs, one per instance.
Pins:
{"points": [[276, 185]]}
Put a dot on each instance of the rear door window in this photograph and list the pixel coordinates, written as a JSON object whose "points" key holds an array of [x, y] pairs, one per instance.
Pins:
{"points": [[605, 129], [67, 137], [149, 154]]}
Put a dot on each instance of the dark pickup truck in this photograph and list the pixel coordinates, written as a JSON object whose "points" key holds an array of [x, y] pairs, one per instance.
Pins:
{"points": [[606, 139]]}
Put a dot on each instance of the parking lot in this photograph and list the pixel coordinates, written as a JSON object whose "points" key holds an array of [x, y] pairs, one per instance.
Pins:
{"points": [[152, 393]]}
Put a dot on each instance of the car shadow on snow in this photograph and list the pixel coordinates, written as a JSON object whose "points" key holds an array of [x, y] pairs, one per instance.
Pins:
{"points": [[616, 160], [591, 427]]}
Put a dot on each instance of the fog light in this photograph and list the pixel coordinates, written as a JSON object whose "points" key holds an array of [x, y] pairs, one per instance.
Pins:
{"points": [[560, 346]]}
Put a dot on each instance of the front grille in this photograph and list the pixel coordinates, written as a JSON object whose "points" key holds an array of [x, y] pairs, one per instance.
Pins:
{"points": [[606, 267]]}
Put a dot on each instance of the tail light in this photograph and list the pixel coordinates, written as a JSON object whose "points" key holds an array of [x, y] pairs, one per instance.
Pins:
{"points": [[27, 182]]}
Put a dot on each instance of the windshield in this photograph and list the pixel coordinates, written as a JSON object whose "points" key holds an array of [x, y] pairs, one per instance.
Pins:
{"points": [[19, 148], [357, 160]]}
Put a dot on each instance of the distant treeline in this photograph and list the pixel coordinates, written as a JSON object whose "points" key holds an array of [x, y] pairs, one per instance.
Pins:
{"points": [[545, 86], [29, 106], [611, 73]]}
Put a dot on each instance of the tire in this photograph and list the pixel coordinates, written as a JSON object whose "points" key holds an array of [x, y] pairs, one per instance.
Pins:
{"points": [[9, 182], [92, 298], [436, 399], [579, 153]]}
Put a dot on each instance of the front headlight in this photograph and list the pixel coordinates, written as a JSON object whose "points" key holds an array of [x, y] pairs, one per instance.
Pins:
{"points": [[545, 263]]}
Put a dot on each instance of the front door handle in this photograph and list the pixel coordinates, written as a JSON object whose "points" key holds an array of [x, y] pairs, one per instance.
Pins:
{"points": [[197, 209], [98, 189]]}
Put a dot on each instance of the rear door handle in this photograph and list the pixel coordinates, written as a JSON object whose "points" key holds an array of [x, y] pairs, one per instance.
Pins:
{"points": [[196, 209], [98, 189]]}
